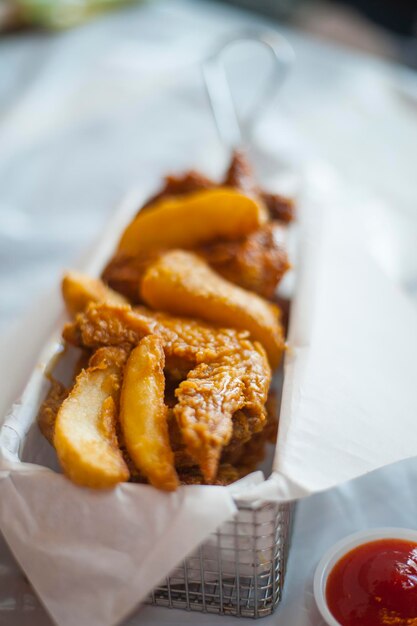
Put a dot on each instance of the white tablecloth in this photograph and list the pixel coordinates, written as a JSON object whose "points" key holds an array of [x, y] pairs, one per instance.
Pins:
{"points": [[86, 114]]}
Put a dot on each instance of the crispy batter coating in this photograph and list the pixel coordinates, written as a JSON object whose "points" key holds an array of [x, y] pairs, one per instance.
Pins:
{"points": [[280, 207], [225, 371], [186, 341], [226, 475], [210, 396], [240, 176], [257, 262], [124, 273], [49, 409], [180, 185]]}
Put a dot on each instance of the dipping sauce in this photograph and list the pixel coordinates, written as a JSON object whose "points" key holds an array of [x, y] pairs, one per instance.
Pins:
{"points": [[375, 584]]}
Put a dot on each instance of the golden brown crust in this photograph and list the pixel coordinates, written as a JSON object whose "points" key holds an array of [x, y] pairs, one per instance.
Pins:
{"points": [[181, 184], [257, 262], [281, 208], [49, 409], [239, 174]]}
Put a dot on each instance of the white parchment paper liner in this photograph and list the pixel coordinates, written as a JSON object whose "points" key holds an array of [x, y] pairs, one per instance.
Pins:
{"points": [[349, 406]]}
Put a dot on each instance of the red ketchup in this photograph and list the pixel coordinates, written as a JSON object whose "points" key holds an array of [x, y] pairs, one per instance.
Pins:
{"points": [[375, 584]]}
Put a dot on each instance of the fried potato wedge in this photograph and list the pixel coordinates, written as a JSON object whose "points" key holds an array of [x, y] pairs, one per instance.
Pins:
{"points": [[79, 290], [143, 414], [181, 283], [187, 221], [85, 429]]}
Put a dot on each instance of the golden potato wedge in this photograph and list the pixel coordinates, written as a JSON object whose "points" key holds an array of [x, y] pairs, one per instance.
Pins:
{"points": [[181, 283], [79, 290], [85, 429], [143, 414], [187, 221]]}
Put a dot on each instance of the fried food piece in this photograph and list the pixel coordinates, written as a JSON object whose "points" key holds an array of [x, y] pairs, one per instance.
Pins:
{"points": [[180, 185], [234, 372], [226, 475], [239, 174], [186, 341], [182, 283], [143, 414], [78, 290], [257, 262], [191, 220], [245, 455], [124, 273], [85, 429], [49, 409], [279, 207], [210, 396]]}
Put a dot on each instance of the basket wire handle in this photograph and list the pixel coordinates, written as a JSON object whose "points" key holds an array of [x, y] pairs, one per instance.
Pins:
{"points": [[233, 130]]}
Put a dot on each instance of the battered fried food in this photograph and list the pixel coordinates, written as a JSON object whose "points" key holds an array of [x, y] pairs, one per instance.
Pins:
{"points": [[186, 341], [240, 176], [181, 283], [257, 262], [85, 437], [226, 475], [181, 185], [279, 207], [78, 290], [191, 220], [210, 396], [143, 414], [124, 273], [49, 409], [225, 371]]}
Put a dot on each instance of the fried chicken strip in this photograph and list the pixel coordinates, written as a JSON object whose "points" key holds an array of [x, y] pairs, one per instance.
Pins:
{"points": [[210, 396], [46, 417], [257, 262], [240, 176], [178, 185]]}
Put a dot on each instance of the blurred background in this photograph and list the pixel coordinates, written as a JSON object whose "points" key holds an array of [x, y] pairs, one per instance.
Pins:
{"points": [[382, 27], [97, 96]]}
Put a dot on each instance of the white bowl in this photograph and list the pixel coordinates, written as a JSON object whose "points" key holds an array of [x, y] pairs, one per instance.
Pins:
{"points": [[341, 548]]}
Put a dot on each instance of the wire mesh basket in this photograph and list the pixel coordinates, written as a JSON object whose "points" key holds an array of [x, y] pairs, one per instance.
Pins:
{"points": [[238, 571]]}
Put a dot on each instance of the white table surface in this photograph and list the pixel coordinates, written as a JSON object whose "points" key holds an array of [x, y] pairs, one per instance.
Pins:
{"points": [[87, 113]]}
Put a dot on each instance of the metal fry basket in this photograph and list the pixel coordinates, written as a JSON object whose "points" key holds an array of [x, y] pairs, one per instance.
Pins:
{"points": [[238, 571]]}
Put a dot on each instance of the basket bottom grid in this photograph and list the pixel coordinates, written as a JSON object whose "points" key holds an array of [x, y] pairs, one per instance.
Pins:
{"points": [[238, 571]]}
